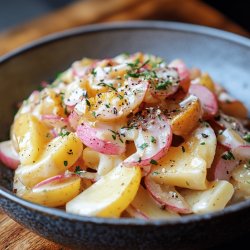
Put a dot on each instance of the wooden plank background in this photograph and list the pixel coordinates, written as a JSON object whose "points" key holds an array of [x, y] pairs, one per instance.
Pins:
{"points": [[13, 236]]}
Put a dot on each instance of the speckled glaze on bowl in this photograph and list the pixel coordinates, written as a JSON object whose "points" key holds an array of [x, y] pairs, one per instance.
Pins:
{"points": [[226, 56]]}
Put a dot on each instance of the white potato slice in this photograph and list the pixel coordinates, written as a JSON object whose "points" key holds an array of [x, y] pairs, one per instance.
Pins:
{"points": [[186, 165], [213, 199], [60, 154], [101, 162], [144, 206], [109, 196], [241, 177]]}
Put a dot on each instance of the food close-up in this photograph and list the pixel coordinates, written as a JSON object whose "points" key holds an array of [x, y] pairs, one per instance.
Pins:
{"points": [[133, 136]]}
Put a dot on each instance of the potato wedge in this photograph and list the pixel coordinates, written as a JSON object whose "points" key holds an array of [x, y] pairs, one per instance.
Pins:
{"points": [[241, 177], [186, 120], [109, 196], [55, 191], [186, 165], [206, 81], [101, 162], [147, 208], [60, 154], [31, 136], [214, 198]]}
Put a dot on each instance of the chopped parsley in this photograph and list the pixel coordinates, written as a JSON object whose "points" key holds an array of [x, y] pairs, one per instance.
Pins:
{"points": [[220, 132], [135, 64], [247, 137], [152, 139], [136, 71], [93, 72], [88, 103], [107, 85], [155, 173], [63, 133], [228, 156], [143, 146], [115, 135], [163, 85], [59, 75], [65, 163], [107, 105], [145, 63], [204, 135], [77, 170], [202, 143], [154, 162]]}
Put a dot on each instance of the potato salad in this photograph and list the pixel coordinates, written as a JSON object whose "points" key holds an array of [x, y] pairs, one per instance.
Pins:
{"points": [[130, 136]]}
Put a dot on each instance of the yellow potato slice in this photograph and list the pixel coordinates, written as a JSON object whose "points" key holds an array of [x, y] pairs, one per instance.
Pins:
{"points": [[241, 181], [147, 208], [186, 165], [214, 198], [186, 120], [51, 103], [207, 82], [31, 136], [55, 193], [101, 162], [60, 154], [234, 108], [109, 196]]}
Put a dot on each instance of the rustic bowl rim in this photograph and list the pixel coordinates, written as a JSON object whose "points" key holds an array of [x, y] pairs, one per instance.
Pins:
{"points": [[128, 25]]}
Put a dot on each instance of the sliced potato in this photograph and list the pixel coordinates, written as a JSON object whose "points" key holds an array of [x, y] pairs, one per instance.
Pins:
{"points": [[186, 165], [144, 205], [214, 198], [51, 103], [231, 106], [60, 154], [186, 120], [109, 196], [207, 82], [101, 162], [31, 137], [241, 177], [57, 192]]}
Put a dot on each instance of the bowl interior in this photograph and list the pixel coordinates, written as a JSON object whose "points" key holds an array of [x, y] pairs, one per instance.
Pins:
{"points": [[224, 56]]}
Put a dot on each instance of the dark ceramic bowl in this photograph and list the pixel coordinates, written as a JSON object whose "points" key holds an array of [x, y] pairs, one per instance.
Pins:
{"points": [[226, 56]]}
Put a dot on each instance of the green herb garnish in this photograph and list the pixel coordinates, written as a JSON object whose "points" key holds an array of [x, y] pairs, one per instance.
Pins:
{"points": [[228, 156], [88, 103], [64, 133], [152, 139], [163, 85], [247, 137], [107, 85], [77, 170], [154, 162], [204, 135], [143, 146], [93, 72], [155, 173]]}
